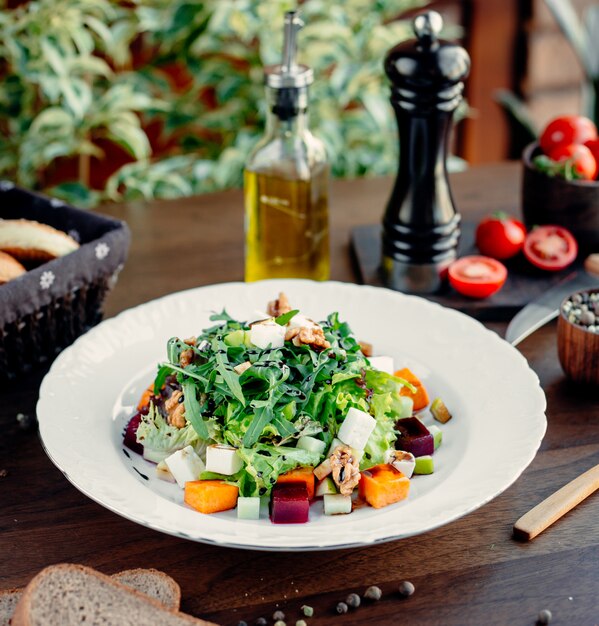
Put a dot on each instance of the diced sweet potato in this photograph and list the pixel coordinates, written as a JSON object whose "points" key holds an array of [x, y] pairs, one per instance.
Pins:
{"points": [[211, 496], [302, 476], [382, 485], [146, 397], [420, 398]]}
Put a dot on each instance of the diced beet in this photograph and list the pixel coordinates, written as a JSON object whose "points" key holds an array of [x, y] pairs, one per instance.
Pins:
{"points": [[414, 437], [129, 438], [289, 504]]}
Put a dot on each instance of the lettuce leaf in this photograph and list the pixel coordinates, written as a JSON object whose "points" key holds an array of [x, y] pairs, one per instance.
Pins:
{"points": [[264, 463], [156, 434]]}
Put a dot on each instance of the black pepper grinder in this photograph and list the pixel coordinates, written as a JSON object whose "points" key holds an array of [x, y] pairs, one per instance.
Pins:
{"points": [[421, 226]]}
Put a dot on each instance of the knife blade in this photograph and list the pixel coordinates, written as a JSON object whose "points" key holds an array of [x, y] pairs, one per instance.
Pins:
{"points": [[546, 307]]}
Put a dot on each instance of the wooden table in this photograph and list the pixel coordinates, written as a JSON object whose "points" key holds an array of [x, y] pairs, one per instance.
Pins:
{"points": [[469, 572]]}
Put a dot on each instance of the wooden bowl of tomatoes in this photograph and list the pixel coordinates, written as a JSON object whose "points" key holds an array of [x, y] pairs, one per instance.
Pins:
{"points": [[560, 184]]}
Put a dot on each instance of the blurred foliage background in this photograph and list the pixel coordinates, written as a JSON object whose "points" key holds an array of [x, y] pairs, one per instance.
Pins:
{"points": [[164, 98]]}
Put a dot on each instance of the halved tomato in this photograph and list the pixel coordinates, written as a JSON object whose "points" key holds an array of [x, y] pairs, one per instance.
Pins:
{"points": [[477, 276], [550, 247]]}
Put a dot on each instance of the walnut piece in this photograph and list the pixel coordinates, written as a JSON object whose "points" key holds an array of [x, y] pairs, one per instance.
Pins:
{"points": [[186, 357], [365, 348], [346, 470], [308, 335], [279, 307], [242, 367], [175, 410]]}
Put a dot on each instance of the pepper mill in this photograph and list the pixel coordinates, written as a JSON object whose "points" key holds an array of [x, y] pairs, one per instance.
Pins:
{"points": [[421, 226]]}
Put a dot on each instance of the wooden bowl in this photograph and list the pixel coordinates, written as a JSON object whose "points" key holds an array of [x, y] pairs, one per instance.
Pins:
{"points": [[578, 348], [572, 204]]}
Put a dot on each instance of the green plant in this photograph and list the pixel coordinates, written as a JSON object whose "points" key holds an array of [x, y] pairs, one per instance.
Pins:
{"points": [[70, 87], [583, 37]]}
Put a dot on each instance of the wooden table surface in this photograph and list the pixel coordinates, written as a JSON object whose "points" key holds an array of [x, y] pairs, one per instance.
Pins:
{"points": [[469, 572]]}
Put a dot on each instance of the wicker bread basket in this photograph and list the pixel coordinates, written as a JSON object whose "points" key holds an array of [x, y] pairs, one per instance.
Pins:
{"points": [[46, 309]]}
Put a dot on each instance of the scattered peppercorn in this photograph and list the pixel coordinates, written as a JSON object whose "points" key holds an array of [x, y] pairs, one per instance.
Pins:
{"points": [[261, 621], [308, 611], [373, 593], [544, 617], [278, 615], [242, 623], [301, 622], [26, 422], [341, 608], [406, 588], [353, 600]]}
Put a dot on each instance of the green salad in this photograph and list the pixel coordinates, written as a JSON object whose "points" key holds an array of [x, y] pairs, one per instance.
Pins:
{"points": [[263, 401]]}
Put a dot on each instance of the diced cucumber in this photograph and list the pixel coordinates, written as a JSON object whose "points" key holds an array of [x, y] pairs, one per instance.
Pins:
{"points": [[358, 454], [437, 434], [405, 407], [440, 411], [334, 444], [235, 338], [336, 504], [248, 508], [311, 444], [424, 465], [325, 487]]}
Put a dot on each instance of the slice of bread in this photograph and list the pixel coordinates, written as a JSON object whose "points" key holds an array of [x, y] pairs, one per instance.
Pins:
{"points": [[28, 240], [8, 602], [152, 583], [65, 594], [9, 268]]}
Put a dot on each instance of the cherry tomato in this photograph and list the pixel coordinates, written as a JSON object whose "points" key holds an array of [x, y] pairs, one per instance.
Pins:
{"points": [[566, 130], [500, 236], [579, 158], [477, 276], [550, 247], [593, 146]]}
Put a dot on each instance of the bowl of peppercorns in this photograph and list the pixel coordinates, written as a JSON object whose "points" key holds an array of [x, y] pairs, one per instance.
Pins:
{"points": [[578, 336]]}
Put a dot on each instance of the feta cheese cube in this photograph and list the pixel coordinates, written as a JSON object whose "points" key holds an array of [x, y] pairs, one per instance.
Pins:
{"points": [[268, 333], [382, 363], [223, 460], [301, 321], [403, 462], [185, 465], [163, 472], [356, 428]]}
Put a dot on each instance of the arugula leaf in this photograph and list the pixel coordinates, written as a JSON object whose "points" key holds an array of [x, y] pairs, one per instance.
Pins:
{"points": [[226, 371], [193, 412], [163, 372], [263, 416], [284, 319]]}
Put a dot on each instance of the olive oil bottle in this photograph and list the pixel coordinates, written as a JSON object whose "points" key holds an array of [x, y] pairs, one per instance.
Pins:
{"points": [[286, 180]]}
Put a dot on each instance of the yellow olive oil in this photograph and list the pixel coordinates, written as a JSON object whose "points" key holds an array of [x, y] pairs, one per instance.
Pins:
{"points": [[286, 227]]}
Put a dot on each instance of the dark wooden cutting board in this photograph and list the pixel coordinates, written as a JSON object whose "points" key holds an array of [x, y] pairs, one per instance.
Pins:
{"points": [[524, 282]]}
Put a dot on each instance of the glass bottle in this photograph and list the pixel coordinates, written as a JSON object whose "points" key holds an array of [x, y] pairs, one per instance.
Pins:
{"points": [[286, 180]]}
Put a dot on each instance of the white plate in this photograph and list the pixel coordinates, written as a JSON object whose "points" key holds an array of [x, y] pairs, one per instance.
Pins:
{"points": [[496, 400]]}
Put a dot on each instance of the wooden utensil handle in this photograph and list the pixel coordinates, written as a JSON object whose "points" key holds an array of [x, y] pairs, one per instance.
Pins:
{"points": [[556, 505], [591, 264]]}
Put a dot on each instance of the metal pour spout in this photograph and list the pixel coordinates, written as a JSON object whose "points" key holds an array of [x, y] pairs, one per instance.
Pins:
{"points": [[293, 24]]}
